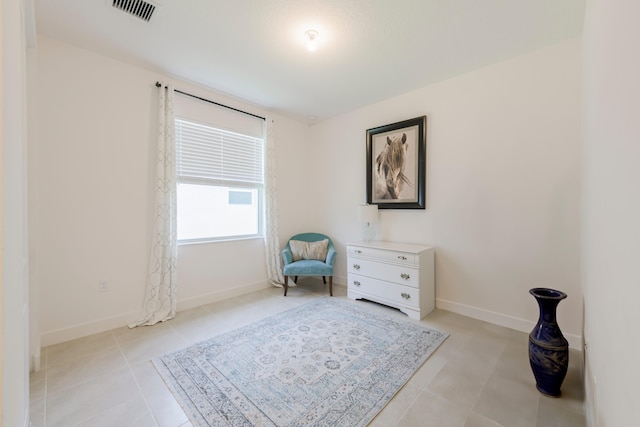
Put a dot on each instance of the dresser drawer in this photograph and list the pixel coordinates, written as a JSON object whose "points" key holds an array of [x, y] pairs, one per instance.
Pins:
{"points": [[403, 258], [404, 275], [384, 292], [399, 275]]}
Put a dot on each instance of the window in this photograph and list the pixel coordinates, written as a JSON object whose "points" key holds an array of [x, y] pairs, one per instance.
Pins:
{"points": [[220, 183]]}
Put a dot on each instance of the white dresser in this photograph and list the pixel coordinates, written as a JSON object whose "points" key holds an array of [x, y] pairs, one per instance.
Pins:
{"points": [[395, 274]]}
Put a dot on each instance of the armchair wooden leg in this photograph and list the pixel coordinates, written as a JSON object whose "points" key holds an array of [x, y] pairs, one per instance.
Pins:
{"points": [[286, 284], [330, 285], [324, 280], [296, 279]]}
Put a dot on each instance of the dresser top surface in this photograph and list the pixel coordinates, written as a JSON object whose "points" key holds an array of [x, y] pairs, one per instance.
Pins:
{"points": [[392, 246]]}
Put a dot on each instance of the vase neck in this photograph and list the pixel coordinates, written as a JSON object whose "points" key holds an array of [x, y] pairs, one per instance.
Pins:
{"points": [[548, 309]]}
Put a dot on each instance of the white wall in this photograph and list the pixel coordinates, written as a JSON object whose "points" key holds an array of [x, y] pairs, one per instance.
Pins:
{"points": [[14, 280], [502, 190], [611, 211], [93, 174], [502, 185]]}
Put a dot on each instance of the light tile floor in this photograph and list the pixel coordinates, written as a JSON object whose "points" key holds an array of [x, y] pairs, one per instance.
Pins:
{"points": [[479, 377]]}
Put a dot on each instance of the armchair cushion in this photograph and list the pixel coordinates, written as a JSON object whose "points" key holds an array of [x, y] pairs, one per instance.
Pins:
{"points": [[308, 267], [309, 250]]}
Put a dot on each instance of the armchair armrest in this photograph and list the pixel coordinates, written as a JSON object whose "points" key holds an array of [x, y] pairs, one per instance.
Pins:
{"points": [[287, 256], [331, 255]]}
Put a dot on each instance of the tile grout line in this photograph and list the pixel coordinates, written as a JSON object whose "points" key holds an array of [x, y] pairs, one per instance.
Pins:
{"points": [[144, 397], [426, 386], [396, 424], [268, 305], [486, 381], [457, 350]]}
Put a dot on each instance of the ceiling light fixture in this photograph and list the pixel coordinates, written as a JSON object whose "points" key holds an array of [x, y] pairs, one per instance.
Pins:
{"points": [[312, 40]]}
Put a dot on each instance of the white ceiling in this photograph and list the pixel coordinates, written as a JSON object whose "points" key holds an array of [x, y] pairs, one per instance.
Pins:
{"points": [[370, 50]]}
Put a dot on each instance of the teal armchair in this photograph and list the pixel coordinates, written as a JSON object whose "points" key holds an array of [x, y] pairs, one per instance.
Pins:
{"points": [[309, 246]]}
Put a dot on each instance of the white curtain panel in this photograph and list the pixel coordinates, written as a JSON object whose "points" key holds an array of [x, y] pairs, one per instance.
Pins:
{"points": [[161, 292], [271, 235]]}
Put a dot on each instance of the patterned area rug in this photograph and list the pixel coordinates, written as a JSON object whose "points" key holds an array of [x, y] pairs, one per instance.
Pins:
{"points": [[331, 362]]}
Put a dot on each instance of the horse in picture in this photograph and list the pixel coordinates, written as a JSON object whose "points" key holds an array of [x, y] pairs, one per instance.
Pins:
{"points": [[390, 163]]}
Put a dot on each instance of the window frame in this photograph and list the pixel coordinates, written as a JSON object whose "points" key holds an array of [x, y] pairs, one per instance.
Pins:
{"points": [[221, 183]]}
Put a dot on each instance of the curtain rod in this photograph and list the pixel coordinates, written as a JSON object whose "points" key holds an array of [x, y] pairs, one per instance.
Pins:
{"points": [[158, 84]]}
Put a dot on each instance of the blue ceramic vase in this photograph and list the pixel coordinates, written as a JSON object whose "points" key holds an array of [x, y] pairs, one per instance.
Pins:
{"points": [[548, 348]]}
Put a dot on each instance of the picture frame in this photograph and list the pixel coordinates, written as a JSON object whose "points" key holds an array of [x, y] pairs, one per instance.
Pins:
{"points": [[396, 164]]}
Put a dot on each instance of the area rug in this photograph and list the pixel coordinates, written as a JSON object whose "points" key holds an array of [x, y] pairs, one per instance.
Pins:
{"points": [[331, 362]]}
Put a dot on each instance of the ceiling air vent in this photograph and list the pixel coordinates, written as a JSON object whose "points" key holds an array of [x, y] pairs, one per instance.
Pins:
{"points": [[138, 8]]}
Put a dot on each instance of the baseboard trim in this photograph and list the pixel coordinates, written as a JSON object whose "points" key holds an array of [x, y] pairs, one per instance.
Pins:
{"points": [[211, 297], [88, 328], [105, 324], [518, 324]]}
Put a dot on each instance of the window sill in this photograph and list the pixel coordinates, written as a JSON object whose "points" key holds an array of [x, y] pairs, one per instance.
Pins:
{"points": [[221, 240]]}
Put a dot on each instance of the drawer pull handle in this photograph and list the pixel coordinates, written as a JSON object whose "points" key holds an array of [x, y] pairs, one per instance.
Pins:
{"points": [[355, 282], [356, 266], [405, 295], [402, 257], [358, 251], [405, 276]]}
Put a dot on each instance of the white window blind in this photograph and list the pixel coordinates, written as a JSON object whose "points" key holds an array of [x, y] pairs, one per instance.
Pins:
{"points": [[207, 154]]}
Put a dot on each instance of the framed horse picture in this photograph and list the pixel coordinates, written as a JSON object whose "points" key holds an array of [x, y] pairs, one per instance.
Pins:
{"points": [[396, 164]]}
